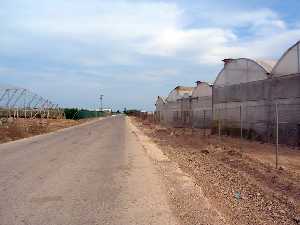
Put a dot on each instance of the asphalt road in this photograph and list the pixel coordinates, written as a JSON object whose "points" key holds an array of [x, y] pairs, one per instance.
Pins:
{"points": [[96, 173]]}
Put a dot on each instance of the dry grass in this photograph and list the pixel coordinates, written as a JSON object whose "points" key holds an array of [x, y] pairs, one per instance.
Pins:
{"points": [[23, 128]]}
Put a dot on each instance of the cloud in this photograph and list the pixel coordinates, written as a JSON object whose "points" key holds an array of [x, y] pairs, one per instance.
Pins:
{"points": [[253, 19], [176, 41], [113, 20], [122, 44], [266, 35], [125, 30], [157, 76]]}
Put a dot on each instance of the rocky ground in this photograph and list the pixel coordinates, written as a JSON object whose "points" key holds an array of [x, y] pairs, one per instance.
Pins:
{"points": [[238, 177]]}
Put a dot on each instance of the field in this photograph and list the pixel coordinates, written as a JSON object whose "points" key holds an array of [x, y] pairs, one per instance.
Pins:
{"points": [[15, 129], [238, 177]]}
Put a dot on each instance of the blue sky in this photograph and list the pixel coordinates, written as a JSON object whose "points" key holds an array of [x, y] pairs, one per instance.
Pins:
{"points": [[133, 51]]}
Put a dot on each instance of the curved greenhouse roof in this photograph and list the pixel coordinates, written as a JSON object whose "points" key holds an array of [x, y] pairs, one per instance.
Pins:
{"points": [[203, 89], [289, 63], [267, 64], [179, 92], [160, 101], [243, 70]]}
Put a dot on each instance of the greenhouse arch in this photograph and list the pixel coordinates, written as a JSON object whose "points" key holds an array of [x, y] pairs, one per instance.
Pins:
{"points": [[289, 63], [243, 70]]}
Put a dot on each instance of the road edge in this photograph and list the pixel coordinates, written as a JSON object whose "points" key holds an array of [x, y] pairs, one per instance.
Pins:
{"points": [[180, 184]]}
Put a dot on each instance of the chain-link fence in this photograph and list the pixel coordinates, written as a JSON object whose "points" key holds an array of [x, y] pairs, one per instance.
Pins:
{"points": [[269, 123], [260, 121], [288, 124], [250, 122]]}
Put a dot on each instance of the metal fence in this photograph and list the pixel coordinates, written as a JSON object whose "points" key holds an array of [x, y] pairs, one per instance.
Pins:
{"points": [[278, 122]]}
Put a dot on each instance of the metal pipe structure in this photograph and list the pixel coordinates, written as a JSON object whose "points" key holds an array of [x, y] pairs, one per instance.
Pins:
{"points": [[32, 100], [38, 102], [18, 98], [4, 94], [10, 98], [20, 102]]}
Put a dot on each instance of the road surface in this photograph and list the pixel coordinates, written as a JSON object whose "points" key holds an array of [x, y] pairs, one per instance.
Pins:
{"points": [[95, 173]]}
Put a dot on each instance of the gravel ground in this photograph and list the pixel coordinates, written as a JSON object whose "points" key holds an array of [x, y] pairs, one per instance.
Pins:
{"points": [[240, 184]]}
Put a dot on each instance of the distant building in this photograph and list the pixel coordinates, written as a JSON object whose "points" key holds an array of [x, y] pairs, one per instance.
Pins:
{"points": [[160, 109], [108, 110], [201, 105], [185, 106]]}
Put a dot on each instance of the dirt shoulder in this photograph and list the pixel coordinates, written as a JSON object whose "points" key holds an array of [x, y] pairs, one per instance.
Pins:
{"points": [[238, 178], [23, 128], [185, 196]]}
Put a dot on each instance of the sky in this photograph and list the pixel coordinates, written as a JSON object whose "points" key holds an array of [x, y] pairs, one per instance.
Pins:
{"points": [[133, 51]]}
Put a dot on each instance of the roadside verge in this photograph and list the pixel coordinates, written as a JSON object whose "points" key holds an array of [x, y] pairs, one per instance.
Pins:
{"points": [[244, 188], [187, 198], [37, 137]]}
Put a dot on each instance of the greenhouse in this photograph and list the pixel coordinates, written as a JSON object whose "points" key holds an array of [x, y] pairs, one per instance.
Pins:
{"points": [[285, 95], [177, 110], [160, 108], [186, 106], [255, 99], [241, 97], [202, 105], [172, 110]]}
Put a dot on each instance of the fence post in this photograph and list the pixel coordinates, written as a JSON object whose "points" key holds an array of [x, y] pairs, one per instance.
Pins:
{"points": [[241, 125], [205, 123], [277, 134], [219, 125]]}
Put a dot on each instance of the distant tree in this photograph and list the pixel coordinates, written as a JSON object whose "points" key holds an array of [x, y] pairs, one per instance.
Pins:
{"points": [[132, 112], [71, 113]]}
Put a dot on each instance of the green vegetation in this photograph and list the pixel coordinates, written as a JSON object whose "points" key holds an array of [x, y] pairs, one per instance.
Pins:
{"points": [[131, 112], [76, 114]]}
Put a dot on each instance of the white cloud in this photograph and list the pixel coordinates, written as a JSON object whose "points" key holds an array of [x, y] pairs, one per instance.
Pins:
{"points": [[157, 75], [129, 45], [114, 20], [260, 20], [130, 28], [176, 41]]}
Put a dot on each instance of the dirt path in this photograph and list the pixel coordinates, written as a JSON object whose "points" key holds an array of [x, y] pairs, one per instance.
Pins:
{"points": [[241, 185]]}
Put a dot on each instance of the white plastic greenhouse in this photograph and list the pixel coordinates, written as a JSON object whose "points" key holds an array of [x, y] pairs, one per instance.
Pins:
{"points": [[241, 96], [252, 98]]}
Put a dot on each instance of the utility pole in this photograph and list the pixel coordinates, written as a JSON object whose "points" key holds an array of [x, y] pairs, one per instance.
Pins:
{"points": [[101, 106]]}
